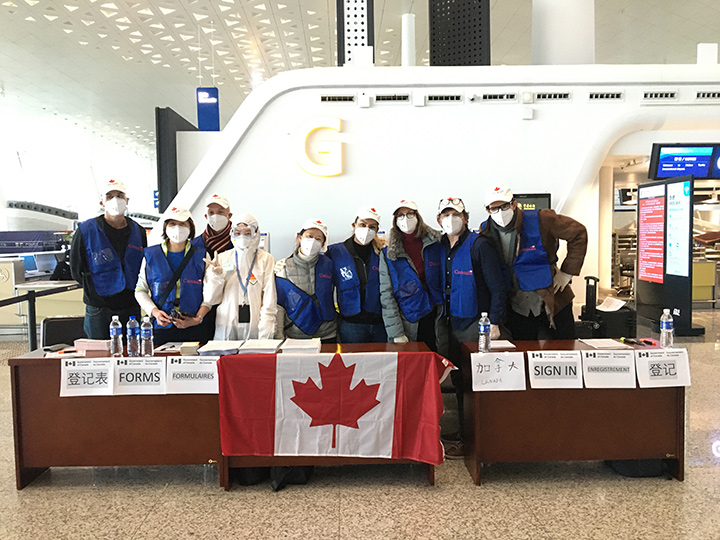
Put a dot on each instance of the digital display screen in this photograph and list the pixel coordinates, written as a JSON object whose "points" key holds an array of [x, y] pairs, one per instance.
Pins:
{"points": [[701, 160], [679, 204], [533, 201], [651, 233]]}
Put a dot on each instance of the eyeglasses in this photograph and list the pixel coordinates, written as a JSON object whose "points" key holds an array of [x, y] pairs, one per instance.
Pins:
{"points": [[450, 201], [410, 214], [502, 207]]}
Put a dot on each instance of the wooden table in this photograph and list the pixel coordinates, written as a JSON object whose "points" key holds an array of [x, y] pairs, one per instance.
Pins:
{"points": [[229, 462], [571, 424], [51, 431]]}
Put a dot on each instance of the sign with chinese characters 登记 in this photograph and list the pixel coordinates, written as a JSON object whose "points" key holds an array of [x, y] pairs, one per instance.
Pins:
{"points": [[555, 369], [609, 369], [86, 377], [139, 375], [662, 367], [498, 371], [192, 375]]}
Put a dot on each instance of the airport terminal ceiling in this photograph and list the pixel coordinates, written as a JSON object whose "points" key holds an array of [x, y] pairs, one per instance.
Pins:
{"points": [[105, 65]]}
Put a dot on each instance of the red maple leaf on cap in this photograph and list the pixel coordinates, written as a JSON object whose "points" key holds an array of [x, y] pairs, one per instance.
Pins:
{"points": [[336, 403], [318, 221], [111, 181], [173, 209], [215, 195], [373, 210]]}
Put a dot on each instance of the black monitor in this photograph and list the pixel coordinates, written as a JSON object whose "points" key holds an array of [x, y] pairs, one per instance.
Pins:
{"points": [[670, 160], [533, 201]]}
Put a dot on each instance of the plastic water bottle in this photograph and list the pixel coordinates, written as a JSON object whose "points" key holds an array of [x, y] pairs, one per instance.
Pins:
{"points": [[666, 330], [484, 333], [146, 337], [116, 344], [133, 337]]}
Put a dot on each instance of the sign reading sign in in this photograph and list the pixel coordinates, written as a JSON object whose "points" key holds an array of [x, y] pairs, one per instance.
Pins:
{"points": [[609, 369], [498, 371], [192, 375], [664, 367], [139, 375], [555, 369], [86, 377]]}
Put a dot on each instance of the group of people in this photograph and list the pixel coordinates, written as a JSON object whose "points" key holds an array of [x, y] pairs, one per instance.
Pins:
{"points": [[416, 284]]}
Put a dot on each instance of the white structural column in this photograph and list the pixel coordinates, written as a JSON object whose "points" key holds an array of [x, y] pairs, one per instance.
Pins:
{"points": [[606, 199], [563, 32], [408, 39]]}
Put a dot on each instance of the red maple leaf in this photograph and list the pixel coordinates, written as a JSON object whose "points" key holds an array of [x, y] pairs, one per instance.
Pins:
{"points": [[336, 403]]}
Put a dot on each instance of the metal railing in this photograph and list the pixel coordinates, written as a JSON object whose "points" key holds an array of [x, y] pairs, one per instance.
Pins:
{"points": [[30, 298]]}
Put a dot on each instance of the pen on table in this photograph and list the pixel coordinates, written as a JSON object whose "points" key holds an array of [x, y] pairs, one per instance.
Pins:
{"points": [[67, 351], [647, 342], [631, 341]]}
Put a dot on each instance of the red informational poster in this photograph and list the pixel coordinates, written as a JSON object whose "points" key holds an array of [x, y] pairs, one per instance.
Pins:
{"points": [[651, 237]]}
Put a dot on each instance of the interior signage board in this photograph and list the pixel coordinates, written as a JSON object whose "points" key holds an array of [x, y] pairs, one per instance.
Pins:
{"points": [[651, 233], [679, 204], [208, 108]]}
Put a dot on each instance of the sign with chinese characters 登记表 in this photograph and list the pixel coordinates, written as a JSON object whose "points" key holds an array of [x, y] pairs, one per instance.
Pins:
{"points": [[86, 377], [498, 371], [662, 367]]}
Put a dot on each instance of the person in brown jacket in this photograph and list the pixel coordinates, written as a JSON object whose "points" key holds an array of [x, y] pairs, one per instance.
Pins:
{"points": [[540, 301]]}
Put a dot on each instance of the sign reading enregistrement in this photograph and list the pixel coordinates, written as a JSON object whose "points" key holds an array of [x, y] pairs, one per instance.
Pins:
{"points": [[192, 375], [139, 375], [555, 369], [498, 371], [86, 377], [662, 367], [609, 369]]}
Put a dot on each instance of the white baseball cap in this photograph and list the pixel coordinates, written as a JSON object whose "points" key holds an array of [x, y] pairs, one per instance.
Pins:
{"points": [[405, 204], [315, 224], [178, 213], [455, 203], [498, 193], [216, 198], [114, 185], [368, 212]]}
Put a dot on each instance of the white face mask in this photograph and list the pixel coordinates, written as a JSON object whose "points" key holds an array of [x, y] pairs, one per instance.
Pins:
{"points": [[177, 233], [116, 206], [364, 235], [407, 224], [503, 217], [217, 222], [452, 224], [310, 247], [241, 241]]}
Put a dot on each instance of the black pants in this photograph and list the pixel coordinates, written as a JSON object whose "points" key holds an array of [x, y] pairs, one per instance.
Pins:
{"points": [[97, 320], [534, 328]]}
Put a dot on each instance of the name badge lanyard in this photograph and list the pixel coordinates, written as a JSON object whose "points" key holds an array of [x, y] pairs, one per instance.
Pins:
{"points": [[247, 280]]}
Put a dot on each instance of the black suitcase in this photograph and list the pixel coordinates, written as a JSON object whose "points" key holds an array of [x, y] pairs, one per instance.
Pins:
{"points": [[603, 324]]}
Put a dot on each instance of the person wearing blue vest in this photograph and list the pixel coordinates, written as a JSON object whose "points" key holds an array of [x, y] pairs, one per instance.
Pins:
{"points": [[304, 288], [540, 301], [356, 278], [472, 282], [105, 259], [170, 284], [409, 277]]}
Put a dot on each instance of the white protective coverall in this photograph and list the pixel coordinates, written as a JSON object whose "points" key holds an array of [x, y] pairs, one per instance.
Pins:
{"points": [[224, 289]]}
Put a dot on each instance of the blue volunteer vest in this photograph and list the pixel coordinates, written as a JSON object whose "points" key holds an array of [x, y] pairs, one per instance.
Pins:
{"points": [[309, 311], [463, 293], [531, 265], [109, 274], [158, 273], [412, 299], [348, 283]]}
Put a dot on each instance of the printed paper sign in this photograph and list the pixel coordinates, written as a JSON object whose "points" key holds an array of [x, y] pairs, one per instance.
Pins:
{"points": [[609, 369], [192, 375], [662, 367], [498, 371], [86, 377], [139, 375], [555, 369]]}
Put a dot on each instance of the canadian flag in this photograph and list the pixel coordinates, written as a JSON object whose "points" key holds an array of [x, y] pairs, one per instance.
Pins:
{"points": [[385, 405]]}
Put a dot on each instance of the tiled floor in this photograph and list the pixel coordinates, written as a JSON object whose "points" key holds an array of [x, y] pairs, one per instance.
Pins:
{"points": [[545, 500]]}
